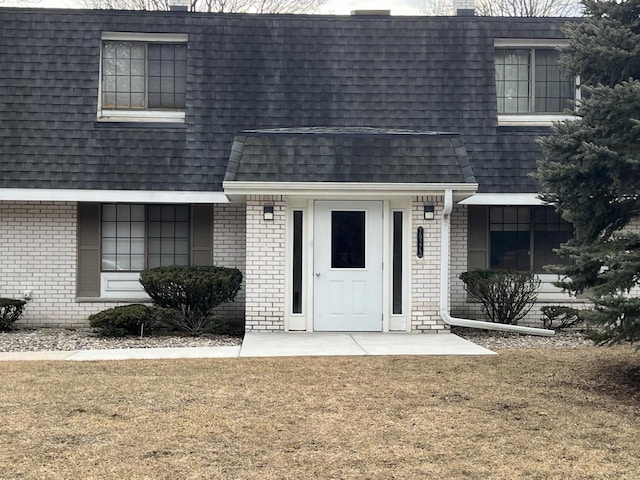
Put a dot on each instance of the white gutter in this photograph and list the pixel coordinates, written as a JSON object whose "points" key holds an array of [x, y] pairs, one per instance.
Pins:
{"points": [[444, 284], [350, 189], [503, 199], [125, 196]]}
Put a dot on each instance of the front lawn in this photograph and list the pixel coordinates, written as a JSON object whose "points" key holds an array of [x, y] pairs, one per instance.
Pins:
{"points": [[534, 414]]}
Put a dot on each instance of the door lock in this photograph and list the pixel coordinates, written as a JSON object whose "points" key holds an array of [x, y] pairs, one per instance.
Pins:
{"points": [[317, 274]]}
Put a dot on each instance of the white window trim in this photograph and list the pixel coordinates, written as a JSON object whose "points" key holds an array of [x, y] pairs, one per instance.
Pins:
{"points": [[531, 119], [161, 116], [141, 116], [534, 119]]}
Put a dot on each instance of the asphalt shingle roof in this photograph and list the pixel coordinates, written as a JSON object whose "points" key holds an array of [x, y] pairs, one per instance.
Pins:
{"points": [[250, 72], [348, 154]]}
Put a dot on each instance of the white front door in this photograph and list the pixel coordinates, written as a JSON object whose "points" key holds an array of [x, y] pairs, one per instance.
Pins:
{"points": [[347, 266]]}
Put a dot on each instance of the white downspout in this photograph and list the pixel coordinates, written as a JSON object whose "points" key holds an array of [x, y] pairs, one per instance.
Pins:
{"points": [[444, 284]]}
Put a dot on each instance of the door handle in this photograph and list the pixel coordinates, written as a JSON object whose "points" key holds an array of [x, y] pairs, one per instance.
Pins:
{"points": [[317, 274]]}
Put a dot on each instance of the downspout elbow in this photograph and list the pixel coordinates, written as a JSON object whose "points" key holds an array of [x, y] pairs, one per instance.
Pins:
{"points": [[444, 284]]}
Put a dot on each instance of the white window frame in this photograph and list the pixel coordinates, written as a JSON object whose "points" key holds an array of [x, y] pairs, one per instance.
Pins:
{"points": [[120, 115], [534, 119]]}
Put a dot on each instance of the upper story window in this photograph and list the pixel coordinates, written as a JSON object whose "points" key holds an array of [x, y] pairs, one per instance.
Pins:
{"points": [[143, 77], [531, 86]]}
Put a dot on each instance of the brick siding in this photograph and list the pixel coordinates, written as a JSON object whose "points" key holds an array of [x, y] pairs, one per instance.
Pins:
{"points": [[425, 316], [265, 269]]}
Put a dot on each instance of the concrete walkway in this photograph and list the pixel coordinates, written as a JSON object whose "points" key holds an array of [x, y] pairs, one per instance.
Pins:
{"points": [[284, 345]]}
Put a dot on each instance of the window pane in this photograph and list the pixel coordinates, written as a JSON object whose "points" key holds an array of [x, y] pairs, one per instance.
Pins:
{"points": [[182, 230], [137, 229], [397, 263], [153, 261], [154, 229], [181, 260], [108, 246], [513, 80], [550, 230], [182, 213], [109, 213], [108, 263], [123, 229], [167, 76], [167, 229], [297, 261], [168, 241], [123, 262], [510, 250], [137, 262], [545, 242], [154, 212], [137, 246], [510, 238], [553, 89], [347, 239], [181, 247], [167, 246], [153, 244], [122, 238]]}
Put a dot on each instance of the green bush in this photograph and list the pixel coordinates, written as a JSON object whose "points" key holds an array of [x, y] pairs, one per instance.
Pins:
{"points": [[558, 317], [192, 292], [10, 311], [506, 296], [126, 320]]}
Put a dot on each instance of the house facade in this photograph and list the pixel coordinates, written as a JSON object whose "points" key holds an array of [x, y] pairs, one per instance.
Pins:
{"points": [[350, 166]]}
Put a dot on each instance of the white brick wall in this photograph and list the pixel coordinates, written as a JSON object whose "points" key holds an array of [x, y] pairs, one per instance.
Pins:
{"points": [[426, 270], [38, 252], [229, 239], [265, 269]]}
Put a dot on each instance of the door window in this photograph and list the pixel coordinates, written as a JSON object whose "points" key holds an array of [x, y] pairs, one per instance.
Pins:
{"points": [[347, 239]]}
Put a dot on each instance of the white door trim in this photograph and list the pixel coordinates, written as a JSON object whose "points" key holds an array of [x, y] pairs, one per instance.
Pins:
{"points": [[390, 322]]}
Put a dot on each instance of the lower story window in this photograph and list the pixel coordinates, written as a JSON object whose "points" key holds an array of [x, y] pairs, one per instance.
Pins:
{"points": [[523, 238], [135, 237]]}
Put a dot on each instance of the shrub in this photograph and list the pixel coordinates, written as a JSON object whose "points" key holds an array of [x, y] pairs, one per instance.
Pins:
{"points": [[563, 317], [10, 311], [192, 292], [506, 296], [126, 320]]}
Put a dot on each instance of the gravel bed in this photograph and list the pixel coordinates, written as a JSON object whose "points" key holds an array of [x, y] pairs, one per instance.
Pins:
{"points": [[500, 340], [61, 339], [49, 339]]}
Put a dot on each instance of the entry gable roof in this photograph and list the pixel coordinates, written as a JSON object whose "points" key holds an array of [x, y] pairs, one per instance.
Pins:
{"points": [[349, 155]]}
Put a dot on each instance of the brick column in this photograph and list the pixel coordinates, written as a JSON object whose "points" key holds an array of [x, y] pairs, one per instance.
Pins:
{"points": [[425, 289], [265, 264]]}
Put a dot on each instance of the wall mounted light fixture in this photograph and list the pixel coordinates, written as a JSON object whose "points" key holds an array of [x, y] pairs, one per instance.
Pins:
{"points": [[268, 212], [429, 212]]}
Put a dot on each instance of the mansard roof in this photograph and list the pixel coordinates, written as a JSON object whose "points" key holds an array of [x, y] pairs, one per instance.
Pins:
{"points": [[251, 72]]}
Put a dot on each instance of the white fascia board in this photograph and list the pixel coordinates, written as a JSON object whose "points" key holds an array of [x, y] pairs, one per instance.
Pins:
{"points": [[123, 196], [503, 199], [348, 189]]}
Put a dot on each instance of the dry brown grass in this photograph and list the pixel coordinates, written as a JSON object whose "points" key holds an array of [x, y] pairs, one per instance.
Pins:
{"points": [[543, 414]]}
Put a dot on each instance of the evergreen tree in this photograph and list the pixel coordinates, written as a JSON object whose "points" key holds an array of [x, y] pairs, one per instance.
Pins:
{"points": [[591, 168]]}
